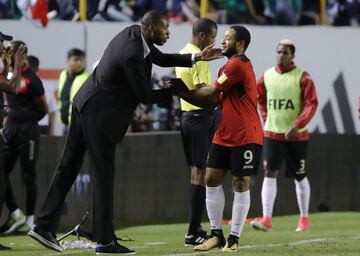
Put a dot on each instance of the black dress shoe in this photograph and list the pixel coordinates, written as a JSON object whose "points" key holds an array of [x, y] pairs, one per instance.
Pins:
{"points": [[47, 239], [4, 248], [112, 248]]}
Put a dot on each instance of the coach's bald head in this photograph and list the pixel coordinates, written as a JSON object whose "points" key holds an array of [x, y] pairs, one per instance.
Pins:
{"points": [[155, 27]]}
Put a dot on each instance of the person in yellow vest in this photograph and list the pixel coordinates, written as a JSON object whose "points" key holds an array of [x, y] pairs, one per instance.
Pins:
{"points": [[70, 81], [197, 127], [287, 101]]}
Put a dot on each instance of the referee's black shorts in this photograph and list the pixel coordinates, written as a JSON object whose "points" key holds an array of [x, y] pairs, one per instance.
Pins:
{"points": [[197, 131], [293, 153]]}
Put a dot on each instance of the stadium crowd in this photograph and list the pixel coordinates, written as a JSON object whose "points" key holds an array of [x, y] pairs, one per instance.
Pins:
{"points": [[262, 12]]}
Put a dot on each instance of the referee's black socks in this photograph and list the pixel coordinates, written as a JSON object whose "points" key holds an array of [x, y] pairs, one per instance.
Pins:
{"points": [[197, 205]]}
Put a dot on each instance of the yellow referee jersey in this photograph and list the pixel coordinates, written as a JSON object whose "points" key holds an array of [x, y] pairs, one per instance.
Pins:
{"points": [[199, 73]]}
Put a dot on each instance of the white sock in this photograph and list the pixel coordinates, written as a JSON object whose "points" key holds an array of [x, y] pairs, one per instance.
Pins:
{"points": [[16, 213], [303, 196], [241, 205], [268, 195], [215, 203], [30, 220]]}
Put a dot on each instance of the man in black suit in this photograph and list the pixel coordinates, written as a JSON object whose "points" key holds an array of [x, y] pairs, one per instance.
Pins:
{"points": [[102, 110]]}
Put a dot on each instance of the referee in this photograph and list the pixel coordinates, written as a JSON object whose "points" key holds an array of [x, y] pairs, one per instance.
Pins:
{"points": [[197, 127]]}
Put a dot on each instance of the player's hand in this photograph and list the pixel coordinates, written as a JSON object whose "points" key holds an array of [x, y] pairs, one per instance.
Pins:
{"points": [[292, 132], [7, 56], [209, 53], [178, 86], [20, 54]]}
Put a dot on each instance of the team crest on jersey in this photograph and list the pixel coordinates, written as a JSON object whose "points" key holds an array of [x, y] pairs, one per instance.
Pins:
{"points": [[222, 78], [22, 84], [23, 88]]}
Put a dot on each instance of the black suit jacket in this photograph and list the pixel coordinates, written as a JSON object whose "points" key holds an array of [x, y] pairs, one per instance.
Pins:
{"points": [[124, 74]]}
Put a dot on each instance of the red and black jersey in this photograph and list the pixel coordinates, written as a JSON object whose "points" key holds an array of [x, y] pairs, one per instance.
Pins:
{"points": [[239, 123], [22, 106]]}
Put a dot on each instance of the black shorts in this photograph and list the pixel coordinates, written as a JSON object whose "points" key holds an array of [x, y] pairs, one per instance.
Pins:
{"points": [[293, 153], [242, 160], [197, 131]]}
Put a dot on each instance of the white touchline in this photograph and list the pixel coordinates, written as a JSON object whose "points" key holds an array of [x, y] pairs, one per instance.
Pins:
{"points": [[155, 243], [309, 241], [188, 254], [290, 243]]}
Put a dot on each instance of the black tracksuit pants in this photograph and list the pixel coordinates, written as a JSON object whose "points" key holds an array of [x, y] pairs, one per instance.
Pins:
{"points": [[21, 140]]}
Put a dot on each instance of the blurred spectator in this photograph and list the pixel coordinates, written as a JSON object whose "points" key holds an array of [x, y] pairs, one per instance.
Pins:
{"points": [[3, 10], [142, 6], [114, 10], [172, 8], [157, 117], [34, 11], [310, 13], [47, 123], [64, 9], [70, 81], [9, 9], [343, 12], [282, 12], [175, 11], [191, 8], [238, 11], [141, 121]]}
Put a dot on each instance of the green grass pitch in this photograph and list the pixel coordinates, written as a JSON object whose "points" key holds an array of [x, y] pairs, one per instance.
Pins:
{"points": [[334, 233]]}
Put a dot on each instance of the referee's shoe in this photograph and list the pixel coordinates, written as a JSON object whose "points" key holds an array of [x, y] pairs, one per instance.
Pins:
{"points": [[45, 238], [198, 238]]}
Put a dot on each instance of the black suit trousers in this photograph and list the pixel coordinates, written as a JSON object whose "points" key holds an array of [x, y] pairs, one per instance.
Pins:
{"points": [[98, 128]]}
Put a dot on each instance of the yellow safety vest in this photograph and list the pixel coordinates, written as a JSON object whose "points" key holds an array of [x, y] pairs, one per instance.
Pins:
{"points": [[76, 85]]}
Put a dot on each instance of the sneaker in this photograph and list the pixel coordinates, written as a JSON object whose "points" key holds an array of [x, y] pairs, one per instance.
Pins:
{"points": [[4, 248], [8, 223], [264, 223], [196, 239], [216, 239], [112, 248], [24, 229], [303, 224], [232, 244], [45, 238], [16, 222]]}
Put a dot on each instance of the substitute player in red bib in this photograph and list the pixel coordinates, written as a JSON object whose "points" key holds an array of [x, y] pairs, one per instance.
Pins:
{"points": [[237, 141], [287, 100]]}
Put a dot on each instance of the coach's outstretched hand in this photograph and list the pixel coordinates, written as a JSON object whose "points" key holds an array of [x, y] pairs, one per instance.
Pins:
{"points": [[209, 53]]}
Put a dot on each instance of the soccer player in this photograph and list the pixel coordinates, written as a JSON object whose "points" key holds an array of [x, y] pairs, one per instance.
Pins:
{"points": [[237, 141], [21, 140], [12, 87], [197, 126], [287, 100]]}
